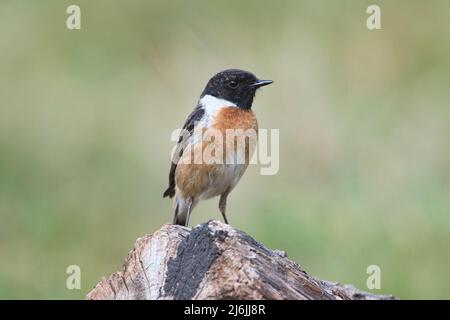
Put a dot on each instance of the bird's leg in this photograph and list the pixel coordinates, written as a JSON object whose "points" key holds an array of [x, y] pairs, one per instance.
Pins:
{"points": [[190, 201], [223, 204]]}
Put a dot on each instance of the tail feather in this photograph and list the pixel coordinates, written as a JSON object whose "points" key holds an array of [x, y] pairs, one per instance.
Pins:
{"points": [[180, 215], [182, 211], [170, 192], [179, 220]]}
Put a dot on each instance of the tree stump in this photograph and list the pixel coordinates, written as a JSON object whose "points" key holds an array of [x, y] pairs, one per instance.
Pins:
{"points": [[214, 261]]}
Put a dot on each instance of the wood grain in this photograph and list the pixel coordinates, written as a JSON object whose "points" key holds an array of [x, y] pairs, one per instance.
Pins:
{"points": [[214, 261]]}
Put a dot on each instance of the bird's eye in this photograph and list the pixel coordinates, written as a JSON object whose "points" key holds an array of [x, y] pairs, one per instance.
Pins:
{"points": [[233, 84]]}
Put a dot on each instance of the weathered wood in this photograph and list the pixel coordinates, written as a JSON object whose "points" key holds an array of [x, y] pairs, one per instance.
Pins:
{"points": [[214, 261]]}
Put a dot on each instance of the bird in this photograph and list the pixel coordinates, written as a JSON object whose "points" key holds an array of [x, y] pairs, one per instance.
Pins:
{"points": [[225, 104]]}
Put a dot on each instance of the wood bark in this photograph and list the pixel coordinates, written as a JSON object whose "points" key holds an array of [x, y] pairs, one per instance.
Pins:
{"points": [[214, 261]]}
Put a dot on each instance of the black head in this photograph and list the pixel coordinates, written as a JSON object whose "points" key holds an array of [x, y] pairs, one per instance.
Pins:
{"points": [[236, 86]]}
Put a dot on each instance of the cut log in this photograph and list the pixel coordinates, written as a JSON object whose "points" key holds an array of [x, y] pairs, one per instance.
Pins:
{"points": [[214, 261]]}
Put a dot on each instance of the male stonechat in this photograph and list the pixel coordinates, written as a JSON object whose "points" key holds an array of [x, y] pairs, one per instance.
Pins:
{"points": [[223, 110]]}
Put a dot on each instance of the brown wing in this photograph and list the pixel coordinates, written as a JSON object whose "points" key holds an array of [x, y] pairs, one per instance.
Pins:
{"points": [[188, 127]]}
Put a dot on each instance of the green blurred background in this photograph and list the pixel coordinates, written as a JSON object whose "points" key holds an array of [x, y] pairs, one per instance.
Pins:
{"points": [[364, 119]]}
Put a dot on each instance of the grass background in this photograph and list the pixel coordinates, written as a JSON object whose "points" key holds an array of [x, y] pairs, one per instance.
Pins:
{"points": [[364, 119]]}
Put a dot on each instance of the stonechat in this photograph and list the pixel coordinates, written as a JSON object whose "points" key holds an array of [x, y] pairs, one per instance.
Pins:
{"points": [[222, 119]]}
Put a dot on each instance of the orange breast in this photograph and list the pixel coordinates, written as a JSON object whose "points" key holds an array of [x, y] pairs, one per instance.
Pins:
{"points": [[242, 124], [235, 118], [193, 179]]}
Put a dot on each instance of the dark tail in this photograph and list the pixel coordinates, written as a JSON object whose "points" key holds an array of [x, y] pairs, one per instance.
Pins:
{"points": [[178, 219], [182, 211], [170, 192]]}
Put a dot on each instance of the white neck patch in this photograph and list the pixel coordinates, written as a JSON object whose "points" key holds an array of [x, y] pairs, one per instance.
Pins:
{"points": [[212, 104]]}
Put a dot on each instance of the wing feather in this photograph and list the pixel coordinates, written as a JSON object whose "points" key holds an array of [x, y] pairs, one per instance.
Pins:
{"points": [[188, 128]]}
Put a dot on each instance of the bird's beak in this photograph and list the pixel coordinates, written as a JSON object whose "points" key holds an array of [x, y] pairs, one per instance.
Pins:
{"points": [[261, 83]]}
